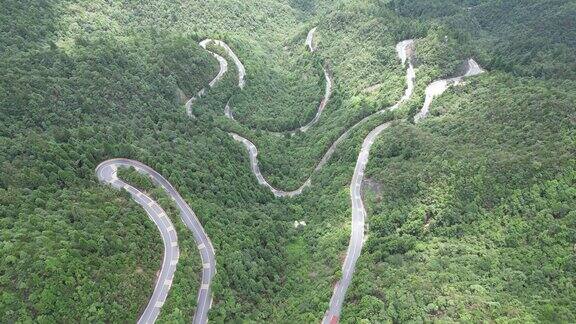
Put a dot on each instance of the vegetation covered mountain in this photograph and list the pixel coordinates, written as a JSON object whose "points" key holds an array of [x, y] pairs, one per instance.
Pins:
{"points": [[471, 213]]}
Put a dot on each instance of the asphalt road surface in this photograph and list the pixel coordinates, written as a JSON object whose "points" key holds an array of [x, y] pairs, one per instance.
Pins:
{"points": [[223, 68], [358, 211], [310, 40], [327, 90], [253, 154], [229, 52], [357, 235], [107, 173], [332, 315], [322, 105]]}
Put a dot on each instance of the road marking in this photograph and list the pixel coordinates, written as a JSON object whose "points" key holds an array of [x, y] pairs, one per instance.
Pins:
{"points": [[155, 212]]}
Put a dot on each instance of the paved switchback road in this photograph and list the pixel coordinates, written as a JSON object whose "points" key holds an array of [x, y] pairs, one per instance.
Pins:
{"points": [[403, 48], [107, 173], [223, 68]]}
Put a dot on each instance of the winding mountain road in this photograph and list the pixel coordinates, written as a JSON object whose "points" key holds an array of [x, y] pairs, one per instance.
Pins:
{"points": [[327, 90], [107, 173], [402, 49], [357, 235], [223, 64], [239, 66], [437, 88], [358, 211], [253, 154]]}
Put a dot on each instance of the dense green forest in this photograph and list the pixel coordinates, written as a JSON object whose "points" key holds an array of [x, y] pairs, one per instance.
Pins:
{"points": [[470, 213]]}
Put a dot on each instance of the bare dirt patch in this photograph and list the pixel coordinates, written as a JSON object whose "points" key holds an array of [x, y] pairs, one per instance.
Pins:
{"points": [[372, 186]]}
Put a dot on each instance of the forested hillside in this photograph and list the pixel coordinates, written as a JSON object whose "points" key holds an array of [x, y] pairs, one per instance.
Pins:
{"points": [[86, 81], [473, 210], [471, 213]]}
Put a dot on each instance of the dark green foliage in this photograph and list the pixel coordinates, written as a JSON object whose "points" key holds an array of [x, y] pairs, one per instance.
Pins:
{"points": [[104, 83], [526, 37]]}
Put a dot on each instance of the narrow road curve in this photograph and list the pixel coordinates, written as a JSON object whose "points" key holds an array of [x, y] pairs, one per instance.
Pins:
{"points": [[327, 90], [223, 69], [107, 173], [310, 40], [229, 52], [322, 105], [253, 154]]}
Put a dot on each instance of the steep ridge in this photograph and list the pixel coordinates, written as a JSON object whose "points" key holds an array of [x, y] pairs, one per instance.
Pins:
{"points": [[402, 49], [323, 102], [107, 173]]}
